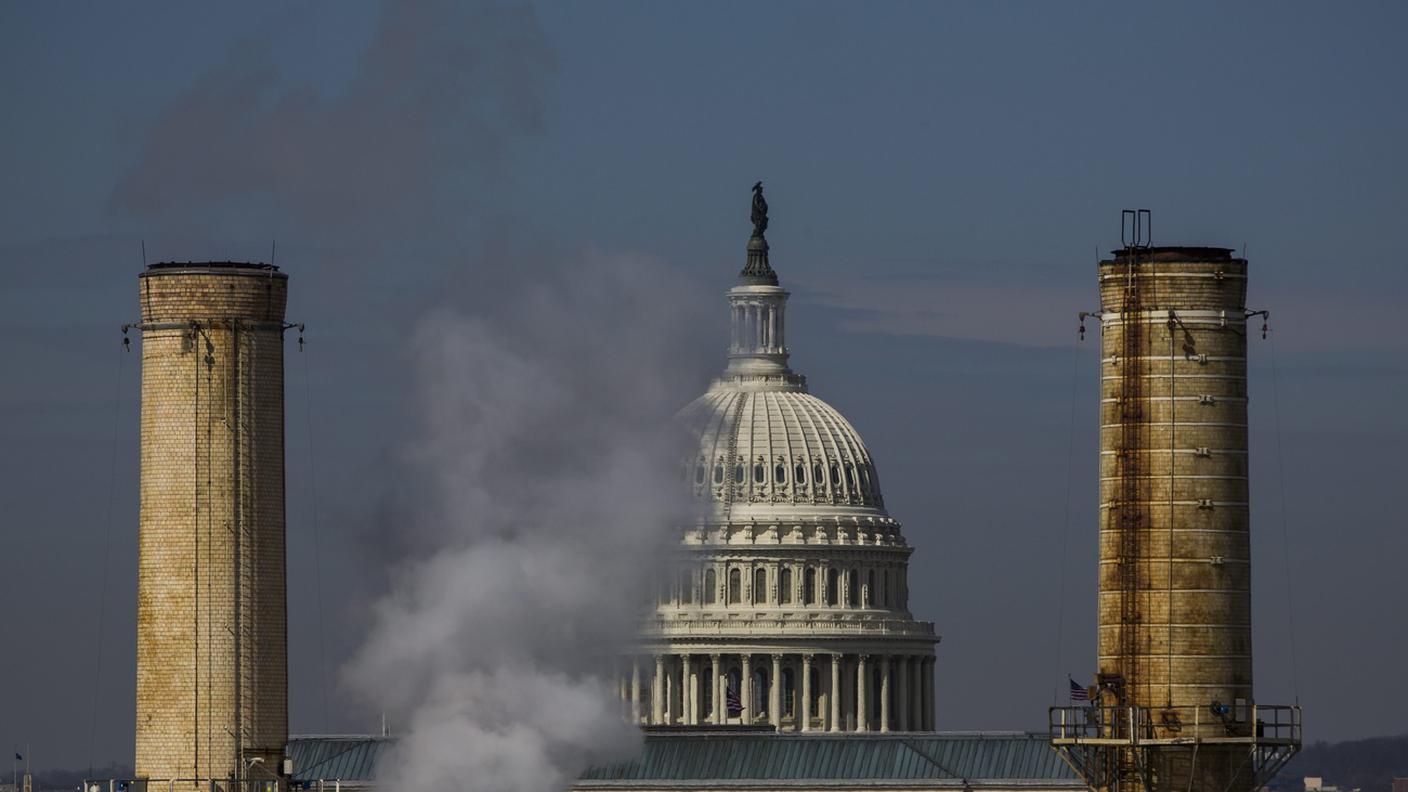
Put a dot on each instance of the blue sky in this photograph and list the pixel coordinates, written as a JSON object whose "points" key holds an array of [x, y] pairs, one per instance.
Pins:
{"points": [[941, 176]]}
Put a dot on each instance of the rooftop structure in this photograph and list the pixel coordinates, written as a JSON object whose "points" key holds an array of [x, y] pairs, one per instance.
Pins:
{"points": [[747, 760]]}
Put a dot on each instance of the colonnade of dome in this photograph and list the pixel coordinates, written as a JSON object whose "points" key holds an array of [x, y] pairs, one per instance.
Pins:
{"points": [[792, 691]]}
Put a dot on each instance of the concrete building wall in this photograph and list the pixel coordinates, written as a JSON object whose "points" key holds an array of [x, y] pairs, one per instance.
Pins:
{"points": [[1175, 562], [211, 615]]}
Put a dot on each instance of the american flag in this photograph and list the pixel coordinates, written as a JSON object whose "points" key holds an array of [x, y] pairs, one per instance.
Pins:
{"points": [[733, 703], [1078, 693]]}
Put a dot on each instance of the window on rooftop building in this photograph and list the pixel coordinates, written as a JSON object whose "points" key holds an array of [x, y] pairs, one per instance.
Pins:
{"points": [[760, 586], [735, 586], [784, 586], [809, 586], [711, 582], [852, 588]]}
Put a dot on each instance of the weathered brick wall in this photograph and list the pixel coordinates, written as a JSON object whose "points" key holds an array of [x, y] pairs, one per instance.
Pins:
{"points": [[211, 615], [1192, 592]]}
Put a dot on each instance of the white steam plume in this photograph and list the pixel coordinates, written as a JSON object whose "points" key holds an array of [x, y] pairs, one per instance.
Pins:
{"points": [[542, 489]]}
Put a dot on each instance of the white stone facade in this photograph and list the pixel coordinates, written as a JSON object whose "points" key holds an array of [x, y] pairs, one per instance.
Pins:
{"points": [[788, 601]]}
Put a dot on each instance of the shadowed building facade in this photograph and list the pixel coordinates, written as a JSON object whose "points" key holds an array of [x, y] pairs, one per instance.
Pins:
{"points": [[211, 624]]}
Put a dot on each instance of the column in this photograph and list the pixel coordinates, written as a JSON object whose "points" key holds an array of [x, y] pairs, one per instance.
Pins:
{"points": [[689, 690], [718, 690], [635, 690], [806, 708], [862, 711], [928, 680], [885, 693], [775, 692], [746, 694], [834, 694], [902, 693], [657, 693]]}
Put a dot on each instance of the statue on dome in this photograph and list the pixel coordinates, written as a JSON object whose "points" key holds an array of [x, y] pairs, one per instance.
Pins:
{"points": [[760, 211]]}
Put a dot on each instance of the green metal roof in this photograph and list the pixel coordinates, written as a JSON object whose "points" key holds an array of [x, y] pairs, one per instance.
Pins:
{"points": [[699, 756], [347, 758], [724, 755]]}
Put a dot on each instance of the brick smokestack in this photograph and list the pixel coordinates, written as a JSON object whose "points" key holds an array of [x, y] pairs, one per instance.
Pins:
{"points": [[212, 677]]}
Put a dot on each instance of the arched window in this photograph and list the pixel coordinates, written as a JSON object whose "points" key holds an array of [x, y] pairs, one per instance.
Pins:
{"points": [[760, 586], [852, 588], [789, 692], [833, 580], [711, 586], [809, 586], [850, 477], [885, 588], [784, 586], [718, 474], [818, 476], [735, 586], [870, 588], [699, 473], [687, 587], [780, 475], [759, 474], [835, 475], [800, 475]]}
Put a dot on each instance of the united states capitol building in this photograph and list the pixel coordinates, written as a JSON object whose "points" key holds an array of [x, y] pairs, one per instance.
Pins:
{"points": [[782, 653]]}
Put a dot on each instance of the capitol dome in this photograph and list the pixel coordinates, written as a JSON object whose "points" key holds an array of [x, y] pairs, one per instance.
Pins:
{"points": [[786, 601], [764, 452]]}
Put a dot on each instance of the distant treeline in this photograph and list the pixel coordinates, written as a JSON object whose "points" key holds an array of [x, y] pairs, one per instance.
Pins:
{"points": [[1370, 764], [73, 779]]}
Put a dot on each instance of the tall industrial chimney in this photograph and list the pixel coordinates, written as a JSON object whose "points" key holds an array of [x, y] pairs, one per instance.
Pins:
{"points": [[212, 689], [1172, 707]]}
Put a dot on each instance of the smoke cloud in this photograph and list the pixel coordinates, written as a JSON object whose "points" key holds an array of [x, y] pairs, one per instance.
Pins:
{"points": [[525, 518], [432, 107], [543, 485]]}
